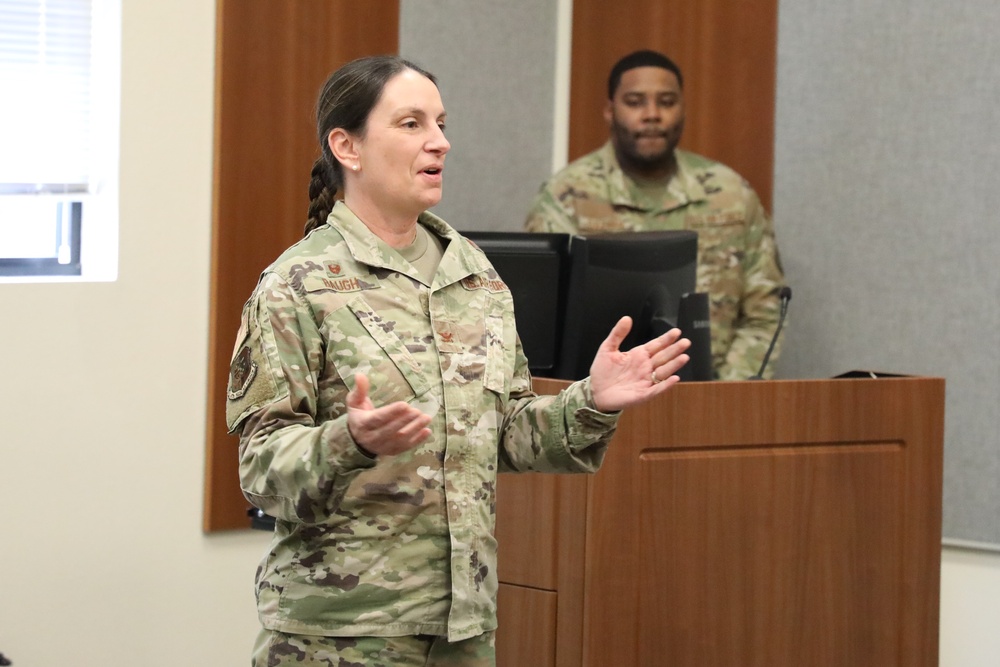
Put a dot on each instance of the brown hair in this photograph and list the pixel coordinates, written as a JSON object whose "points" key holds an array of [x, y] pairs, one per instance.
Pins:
{"points": [[345, 101]]}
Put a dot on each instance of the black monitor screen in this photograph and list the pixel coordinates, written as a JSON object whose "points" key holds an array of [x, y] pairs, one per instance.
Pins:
{"points": [[645, 275], [534, 267]]}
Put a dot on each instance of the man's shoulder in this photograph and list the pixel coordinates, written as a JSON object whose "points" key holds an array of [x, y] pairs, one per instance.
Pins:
{"points": [[700, 164], [593, 166], [706, 169]]}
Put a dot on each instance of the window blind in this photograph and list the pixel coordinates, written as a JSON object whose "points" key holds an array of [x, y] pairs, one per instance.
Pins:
{"points": [[45, 83]]}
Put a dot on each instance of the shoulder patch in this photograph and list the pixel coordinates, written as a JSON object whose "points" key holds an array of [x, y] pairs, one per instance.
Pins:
{"points": [[251, 385], [242, 372]]}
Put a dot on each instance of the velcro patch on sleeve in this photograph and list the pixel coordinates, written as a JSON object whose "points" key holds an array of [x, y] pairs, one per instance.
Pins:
{"points": [[242, 373], [251, 385]]}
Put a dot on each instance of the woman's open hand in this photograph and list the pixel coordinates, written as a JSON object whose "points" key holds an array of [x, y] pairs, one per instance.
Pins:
{"points": [[620, 379], [386, 431]]}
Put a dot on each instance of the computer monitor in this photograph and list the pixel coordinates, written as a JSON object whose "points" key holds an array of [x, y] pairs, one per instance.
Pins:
{"points": [[535, 267], [649, 276]]}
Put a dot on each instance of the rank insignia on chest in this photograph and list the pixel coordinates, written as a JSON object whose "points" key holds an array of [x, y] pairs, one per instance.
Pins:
{"points": [[704, 180], [242, 372]]}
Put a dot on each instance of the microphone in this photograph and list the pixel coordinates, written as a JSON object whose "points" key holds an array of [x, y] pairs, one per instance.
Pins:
{"points": [[785, 295]]}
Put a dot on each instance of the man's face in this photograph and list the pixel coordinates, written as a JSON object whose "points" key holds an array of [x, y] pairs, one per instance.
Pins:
{"points": [[646, 117]]}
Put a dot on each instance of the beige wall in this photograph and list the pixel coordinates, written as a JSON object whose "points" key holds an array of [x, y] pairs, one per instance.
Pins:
{"points": [[102, 559], [970, 608]]}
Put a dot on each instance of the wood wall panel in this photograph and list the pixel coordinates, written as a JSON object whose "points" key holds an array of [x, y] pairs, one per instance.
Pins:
{"points": [[272, 58], [727, 52]]}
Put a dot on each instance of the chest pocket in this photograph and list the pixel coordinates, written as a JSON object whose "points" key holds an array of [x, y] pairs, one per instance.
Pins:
{"points": [[596, 217], [722, 243], [720, 230], [381, 354], [471, 342]]}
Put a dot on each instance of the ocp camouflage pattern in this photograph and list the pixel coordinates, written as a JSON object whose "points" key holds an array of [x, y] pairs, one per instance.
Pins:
{"points": [[403, 545], [738, 263], [278, 649]]}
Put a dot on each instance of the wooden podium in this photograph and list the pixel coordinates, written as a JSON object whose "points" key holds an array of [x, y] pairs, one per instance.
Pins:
{"points": [[767, 524]]}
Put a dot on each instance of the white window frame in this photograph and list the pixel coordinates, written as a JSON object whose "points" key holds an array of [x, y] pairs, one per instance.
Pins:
{"points": [[99, 219]]}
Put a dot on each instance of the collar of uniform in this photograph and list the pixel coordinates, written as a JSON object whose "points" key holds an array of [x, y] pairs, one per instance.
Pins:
{"points": [[459, 260], [462, 258], [682, 189], [364, 245]]}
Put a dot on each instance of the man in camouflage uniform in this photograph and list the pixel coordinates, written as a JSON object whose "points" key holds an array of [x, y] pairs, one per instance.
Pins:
{"points": [[640, 181], [401, 546]]}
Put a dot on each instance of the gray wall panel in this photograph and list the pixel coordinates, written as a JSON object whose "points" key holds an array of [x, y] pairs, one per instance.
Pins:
{"points": [[886, 204], [495, 64], [885, 200]]}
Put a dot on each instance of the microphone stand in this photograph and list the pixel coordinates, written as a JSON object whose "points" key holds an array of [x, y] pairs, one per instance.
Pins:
{"points": [[785, 295]]}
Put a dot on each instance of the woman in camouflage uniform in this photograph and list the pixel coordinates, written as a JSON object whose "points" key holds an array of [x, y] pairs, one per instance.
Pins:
{"points": [[378, 387]]}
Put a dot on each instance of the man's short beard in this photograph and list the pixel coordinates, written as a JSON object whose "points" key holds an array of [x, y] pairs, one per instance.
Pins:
{"points": [[650, 162], [631, 159]]}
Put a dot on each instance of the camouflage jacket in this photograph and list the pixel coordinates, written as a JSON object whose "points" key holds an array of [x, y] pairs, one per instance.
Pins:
{"points": [[738, 262], [400, 545]]}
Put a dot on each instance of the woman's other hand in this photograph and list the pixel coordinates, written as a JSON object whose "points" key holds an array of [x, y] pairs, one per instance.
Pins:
{"points": [[620, 379], [386, 431]]}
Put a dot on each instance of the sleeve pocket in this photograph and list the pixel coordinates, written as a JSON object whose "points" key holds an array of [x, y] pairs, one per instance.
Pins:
{"points": [[495, 374]]}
